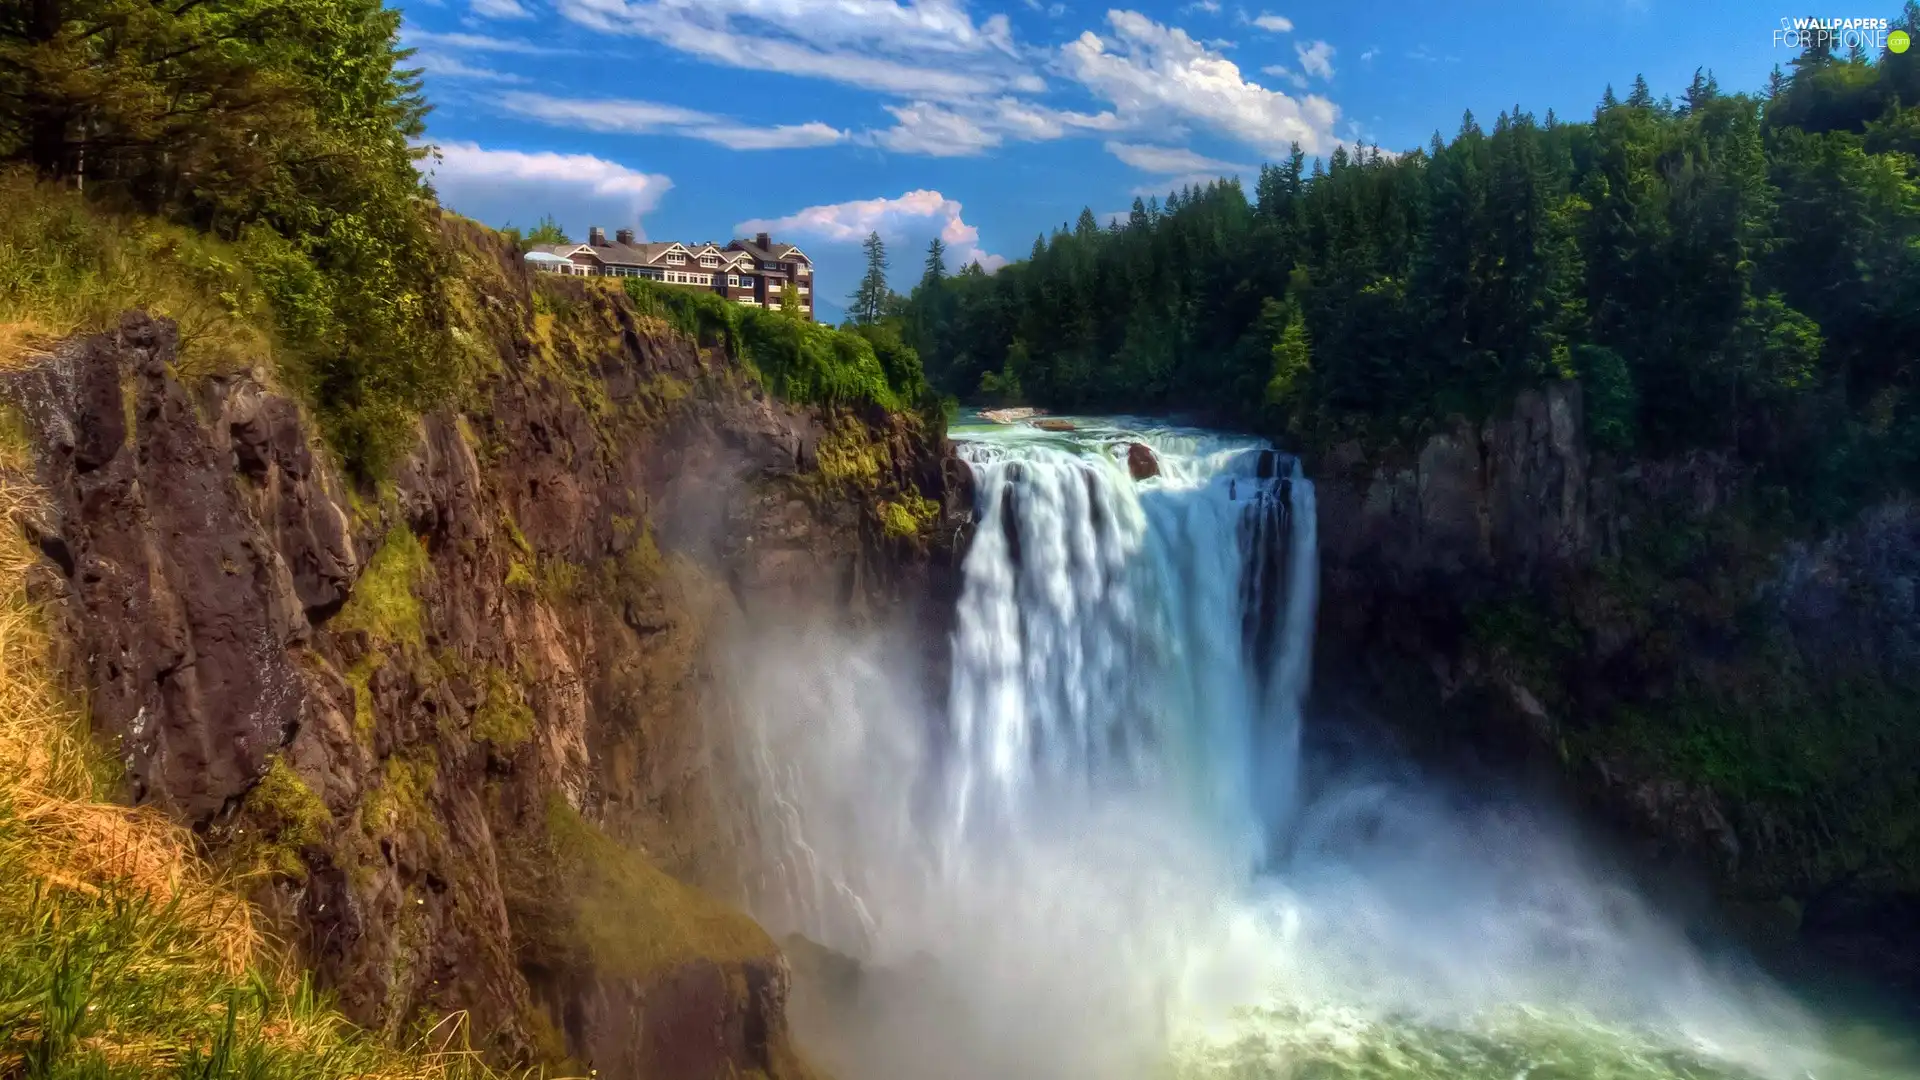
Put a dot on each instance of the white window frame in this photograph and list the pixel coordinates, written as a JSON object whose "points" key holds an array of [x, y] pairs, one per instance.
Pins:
{"points": [[749, 301], [675, 258], [709, 260]]}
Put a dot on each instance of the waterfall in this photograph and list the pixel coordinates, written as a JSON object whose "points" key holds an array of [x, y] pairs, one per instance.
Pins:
{"points": [[1106, 858], [1117, 635]]}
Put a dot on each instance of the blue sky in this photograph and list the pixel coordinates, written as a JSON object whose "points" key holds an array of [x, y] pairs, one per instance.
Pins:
{"points": [[989, 121]]}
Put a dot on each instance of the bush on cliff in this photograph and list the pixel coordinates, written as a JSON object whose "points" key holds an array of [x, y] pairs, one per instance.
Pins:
{"points": [[800, 360]]}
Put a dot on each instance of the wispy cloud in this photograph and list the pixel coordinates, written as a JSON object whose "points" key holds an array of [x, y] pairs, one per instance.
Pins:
{"points": [[1170, 159], [963, 130], [438, 63], [1316, 58], [501, 185], [1211, 7], [630, 117], [414, 36], [913, 216], [1278, 24], [1282, 71], [927, 48], [1158, 74], [499, 9]]}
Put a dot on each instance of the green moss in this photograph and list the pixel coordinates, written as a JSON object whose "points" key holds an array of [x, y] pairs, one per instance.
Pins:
{"points": [[290, 819], [503, 721], [360, 680], [848, 456], [383, 604], [519, 578], [631, 918], [518, 538], [560, 581], [401, 800], [908, 515]]}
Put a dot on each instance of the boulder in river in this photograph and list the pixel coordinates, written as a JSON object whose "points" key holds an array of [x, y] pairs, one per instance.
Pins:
{"points": [[1141, 461], [1053, 425]]}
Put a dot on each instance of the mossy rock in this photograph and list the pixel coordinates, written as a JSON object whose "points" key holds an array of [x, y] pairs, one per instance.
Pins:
{"points": [[630, 918]]}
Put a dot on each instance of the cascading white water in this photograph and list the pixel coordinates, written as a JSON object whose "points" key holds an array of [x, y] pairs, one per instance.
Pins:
{"points": [[1103, 861], [1115, 635]]}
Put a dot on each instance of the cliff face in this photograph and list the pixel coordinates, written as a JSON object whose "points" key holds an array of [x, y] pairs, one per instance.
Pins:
{"points": [[456, 724], [1735, 691]]}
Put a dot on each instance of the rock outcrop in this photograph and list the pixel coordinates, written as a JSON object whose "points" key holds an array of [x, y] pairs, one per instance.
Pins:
{"points": [[1727, 690], [461, 677]]}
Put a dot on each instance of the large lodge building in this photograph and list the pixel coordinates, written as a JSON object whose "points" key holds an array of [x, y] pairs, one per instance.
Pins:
{"points": [[750, 272]]}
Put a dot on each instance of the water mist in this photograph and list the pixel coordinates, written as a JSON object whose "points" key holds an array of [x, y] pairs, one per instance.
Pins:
{"points": [[1106, 858]]}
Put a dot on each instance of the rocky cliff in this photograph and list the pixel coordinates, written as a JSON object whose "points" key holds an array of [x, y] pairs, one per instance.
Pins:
{"points": [[1732, 686], [455, 724]]}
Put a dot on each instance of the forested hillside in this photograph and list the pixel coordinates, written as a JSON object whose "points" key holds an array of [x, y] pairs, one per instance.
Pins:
{"points": [[1727, 270]]}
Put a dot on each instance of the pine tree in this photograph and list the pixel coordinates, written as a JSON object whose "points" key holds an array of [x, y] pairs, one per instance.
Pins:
{"points": [[1641, 97], [1137, 220], [936, 265], [869, 300]]}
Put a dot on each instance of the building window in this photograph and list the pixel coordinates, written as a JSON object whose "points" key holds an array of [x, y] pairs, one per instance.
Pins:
{"points": [[746, 283], [675, 258], [709, 260], [748, 300], [804, 290], [769, 266], [733, 281]]}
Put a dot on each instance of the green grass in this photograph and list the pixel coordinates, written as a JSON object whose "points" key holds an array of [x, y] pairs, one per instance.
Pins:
{"points": [[68, 267]]}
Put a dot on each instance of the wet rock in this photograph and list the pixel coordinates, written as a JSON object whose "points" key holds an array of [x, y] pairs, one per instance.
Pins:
{"points": [[1141, 461], [1053, 425]]}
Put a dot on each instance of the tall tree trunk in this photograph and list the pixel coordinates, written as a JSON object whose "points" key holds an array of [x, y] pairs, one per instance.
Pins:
{"points": [[47, 114]]}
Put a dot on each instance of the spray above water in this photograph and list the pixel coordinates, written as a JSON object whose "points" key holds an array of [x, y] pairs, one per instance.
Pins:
{"points": [[1110, 859]]}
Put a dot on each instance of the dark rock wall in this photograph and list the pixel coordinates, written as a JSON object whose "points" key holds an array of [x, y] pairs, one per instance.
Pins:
{"points": [[613, 495], [1505, 588]]}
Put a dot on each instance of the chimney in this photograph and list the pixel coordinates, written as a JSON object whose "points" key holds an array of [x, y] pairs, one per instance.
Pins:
{"points": [[625, 236], [763, 241], [597, 236]]}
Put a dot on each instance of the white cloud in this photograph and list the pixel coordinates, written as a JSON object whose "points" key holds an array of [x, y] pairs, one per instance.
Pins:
{"points": [[630, 117], [1282, 71], [1278, 24], [499, 9], [438, 63], [411, 35], [918, 47], [1053, 11], [1170, 159], [1372, 51], [935, 131], [1153, 74], [963, 130], [1211, 7], [912, 216], [1316, 59], [501, 186]]}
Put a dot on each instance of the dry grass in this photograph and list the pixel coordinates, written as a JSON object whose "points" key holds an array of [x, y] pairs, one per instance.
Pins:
{"points": [[121, 954]]}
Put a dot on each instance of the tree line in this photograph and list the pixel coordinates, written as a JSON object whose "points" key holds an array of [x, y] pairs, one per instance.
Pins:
{"points": [[1733, 271]]}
